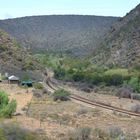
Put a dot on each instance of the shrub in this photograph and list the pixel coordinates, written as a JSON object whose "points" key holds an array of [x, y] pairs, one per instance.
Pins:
{"points": [[136, 96], [78, 76], [59, 73], [14, 132], [38, 86], [9, 109], [100, 134], [94, 78], [118, 71], [81, 134], [82, 111], [137, 67], [134, 83], [136, 108], [61, 94], [3, 99], [124, 92], [38, 93], [84, 133], [115, 132], [6, 108], [98, 78], [69, 74], [114, 79]]}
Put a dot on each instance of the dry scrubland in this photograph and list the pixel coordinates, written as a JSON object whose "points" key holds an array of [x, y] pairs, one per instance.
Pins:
{"points": [[61, 120]]}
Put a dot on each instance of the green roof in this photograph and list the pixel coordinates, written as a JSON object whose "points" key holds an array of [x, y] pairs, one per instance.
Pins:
{"points": [[27, 82]]}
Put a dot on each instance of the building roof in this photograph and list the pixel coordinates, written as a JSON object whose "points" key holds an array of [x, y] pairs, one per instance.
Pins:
{"points": [[27, 82], [13, 78]]}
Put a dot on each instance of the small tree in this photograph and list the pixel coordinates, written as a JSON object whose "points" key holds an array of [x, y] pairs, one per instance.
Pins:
{"points": [[7, 108], [134, 83]]}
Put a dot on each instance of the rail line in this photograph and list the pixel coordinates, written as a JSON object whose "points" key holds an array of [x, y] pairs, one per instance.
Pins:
{"points": [[102, 105], [95, 103]]}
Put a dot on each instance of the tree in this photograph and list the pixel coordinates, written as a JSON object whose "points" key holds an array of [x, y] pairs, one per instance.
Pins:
{"points": [[7, 108]]}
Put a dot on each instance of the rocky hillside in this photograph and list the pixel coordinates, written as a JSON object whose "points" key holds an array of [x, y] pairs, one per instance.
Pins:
{"points": [[70, 33], [15, 60], [122, 44]]}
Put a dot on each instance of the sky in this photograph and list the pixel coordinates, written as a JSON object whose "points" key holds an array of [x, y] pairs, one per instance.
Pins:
{"points": [[20, 8]]}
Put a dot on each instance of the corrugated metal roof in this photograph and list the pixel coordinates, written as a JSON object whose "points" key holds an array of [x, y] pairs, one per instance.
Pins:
{"points": [[13, 78]]}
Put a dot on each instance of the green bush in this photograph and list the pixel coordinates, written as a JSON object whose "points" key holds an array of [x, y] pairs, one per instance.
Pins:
{"points": [[7, 108], [78, 76], [38, 86], [61, 94], [134, 83], [96, 78], [99, 78], [93, 78], [114, 80], [59, 73]]}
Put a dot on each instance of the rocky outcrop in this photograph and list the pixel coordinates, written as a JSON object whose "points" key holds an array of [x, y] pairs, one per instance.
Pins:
{"points": [[15, 60], [122, 44]]}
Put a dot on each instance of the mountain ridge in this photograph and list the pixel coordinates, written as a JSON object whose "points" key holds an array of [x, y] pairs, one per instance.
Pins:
{"points": [[74, 34]]}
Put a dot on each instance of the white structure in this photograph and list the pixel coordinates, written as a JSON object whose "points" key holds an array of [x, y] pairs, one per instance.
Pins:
{"points": [[13, 80]]}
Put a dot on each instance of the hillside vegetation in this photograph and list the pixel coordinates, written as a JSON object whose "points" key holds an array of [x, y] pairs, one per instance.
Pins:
{"points": [[14, 59], [121, 46], [76, 35], [70, 69]]}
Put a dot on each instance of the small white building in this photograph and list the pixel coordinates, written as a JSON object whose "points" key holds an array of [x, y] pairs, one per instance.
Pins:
{"points": [[13, 80]]}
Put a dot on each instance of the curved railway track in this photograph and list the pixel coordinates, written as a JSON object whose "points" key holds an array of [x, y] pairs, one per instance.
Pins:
{"points": [[102, 105], [94, 103]]}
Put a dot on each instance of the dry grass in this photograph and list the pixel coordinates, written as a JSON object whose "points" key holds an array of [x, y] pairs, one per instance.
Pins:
{"points": [[58, 118]]}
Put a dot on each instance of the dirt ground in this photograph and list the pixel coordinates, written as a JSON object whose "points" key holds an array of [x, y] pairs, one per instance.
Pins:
{"points": [[19, 94], [104, 98], [58, 118]]}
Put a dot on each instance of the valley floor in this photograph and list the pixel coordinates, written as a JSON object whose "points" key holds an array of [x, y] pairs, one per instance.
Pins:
{"points": [[58, 119]]}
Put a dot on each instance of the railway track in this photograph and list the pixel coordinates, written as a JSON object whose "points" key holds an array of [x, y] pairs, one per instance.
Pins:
{"points": [[94, 103], [103, 105]]}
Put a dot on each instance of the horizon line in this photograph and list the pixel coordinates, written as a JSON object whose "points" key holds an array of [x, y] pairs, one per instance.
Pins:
{"points": [[40, 15]]}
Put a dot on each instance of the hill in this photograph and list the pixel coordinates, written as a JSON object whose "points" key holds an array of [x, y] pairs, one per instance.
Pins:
{"points": [[122, 44], [73, 34], [16, 60]]}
